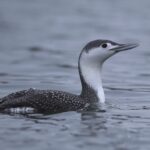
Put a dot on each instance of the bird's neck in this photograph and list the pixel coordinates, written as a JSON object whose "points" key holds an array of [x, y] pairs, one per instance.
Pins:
{"points": [[90, 75]]}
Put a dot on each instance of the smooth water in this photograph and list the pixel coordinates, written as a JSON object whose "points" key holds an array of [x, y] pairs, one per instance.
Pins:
{"points": [[40, 41]]}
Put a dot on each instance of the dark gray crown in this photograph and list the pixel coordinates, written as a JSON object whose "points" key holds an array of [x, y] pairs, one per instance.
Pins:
{"points": [[97, 43]]}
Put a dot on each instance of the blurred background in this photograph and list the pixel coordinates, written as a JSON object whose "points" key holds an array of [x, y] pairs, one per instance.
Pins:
{"points": [[40, 41]]}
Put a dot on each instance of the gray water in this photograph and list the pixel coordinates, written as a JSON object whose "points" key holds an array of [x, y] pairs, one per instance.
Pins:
{"points": [[40, 41]]}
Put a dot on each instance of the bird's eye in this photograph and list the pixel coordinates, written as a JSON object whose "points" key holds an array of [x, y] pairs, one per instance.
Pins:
{"points": [[104, 45]]}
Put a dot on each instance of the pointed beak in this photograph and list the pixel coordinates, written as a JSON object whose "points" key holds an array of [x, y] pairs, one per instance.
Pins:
{"points": [[124, 47]]}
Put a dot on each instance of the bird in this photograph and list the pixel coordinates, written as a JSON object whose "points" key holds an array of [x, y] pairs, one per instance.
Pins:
{"points": [[90, 62]]}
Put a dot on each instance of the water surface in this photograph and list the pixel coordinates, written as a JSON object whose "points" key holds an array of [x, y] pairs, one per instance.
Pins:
{"points": [[39, 46]]}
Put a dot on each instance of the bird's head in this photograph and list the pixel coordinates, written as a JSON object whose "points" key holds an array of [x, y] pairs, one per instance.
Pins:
{"points": [[100, 50]]}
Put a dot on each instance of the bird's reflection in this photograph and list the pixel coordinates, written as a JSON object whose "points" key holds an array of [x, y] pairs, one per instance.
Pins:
{"points": [[93, 120]]}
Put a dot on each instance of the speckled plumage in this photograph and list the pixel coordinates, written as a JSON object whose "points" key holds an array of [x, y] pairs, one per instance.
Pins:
{"points": [[43, 101]]}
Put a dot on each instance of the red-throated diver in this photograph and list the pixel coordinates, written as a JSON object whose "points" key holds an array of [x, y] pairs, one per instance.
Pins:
{"points": [[90, 64]]}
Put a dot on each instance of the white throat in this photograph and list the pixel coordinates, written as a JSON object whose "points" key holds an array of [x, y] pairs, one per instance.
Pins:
{"points": [[91, 71]]}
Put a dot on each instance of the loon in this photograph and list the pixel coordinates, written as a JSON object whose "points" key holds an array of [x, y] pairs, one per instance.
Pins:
{"points": [[90, 63]]}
